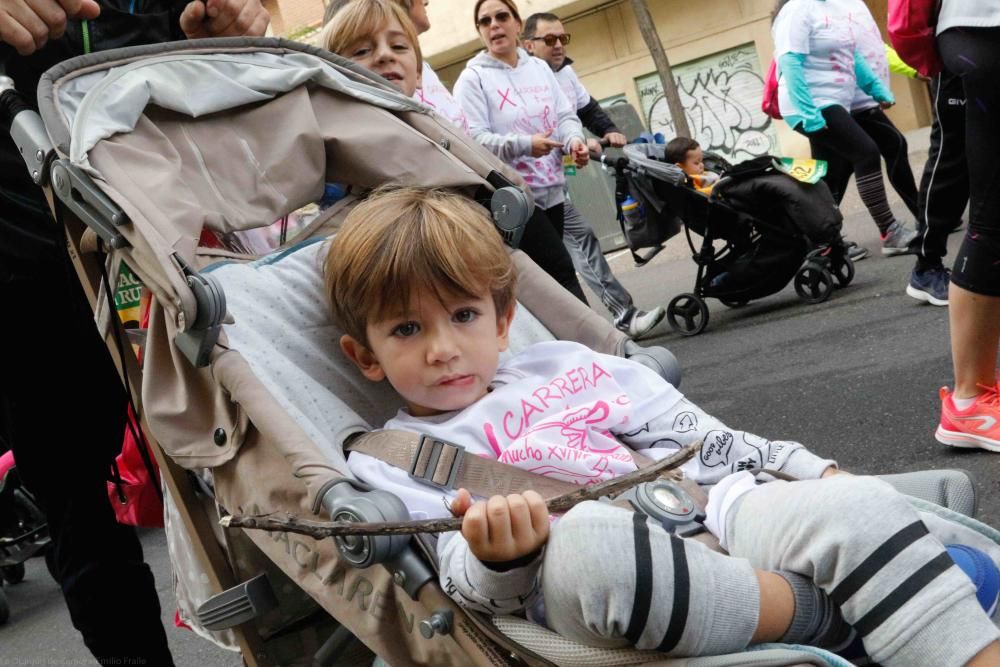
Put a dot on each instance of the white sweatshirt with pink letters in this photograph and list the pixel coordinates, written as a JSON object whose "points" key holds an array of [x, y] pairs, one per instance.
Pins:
{"points": [[506, 105], [561, 410]]}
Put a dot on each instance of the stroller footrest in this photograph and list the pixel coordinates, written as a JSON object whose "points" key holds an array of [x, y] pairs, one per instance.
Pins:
{"points": [[240, 604]]}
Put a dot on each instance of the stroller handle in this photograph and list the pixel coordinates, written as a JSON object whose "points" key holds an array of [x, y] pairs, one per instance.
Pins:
{"points": [[26, 129]]}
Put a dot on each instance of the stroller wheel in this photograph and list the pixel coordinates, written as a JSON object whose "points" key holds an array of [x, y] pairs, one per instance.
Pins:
{"points": [[4, 607], [687, 314], [13, 574], [843, 271], [813, 283], [734, 303]]}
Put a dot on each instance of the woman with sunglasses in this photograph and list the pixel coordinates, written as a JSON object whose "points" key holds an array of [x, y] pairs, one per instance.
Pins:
{"points": [[517, 110]]}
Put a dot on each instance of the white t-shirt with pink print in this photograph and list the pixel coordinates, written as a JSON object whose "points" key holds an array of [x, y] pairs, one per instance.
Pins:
{"points": [[435, 95], [561, 410]]}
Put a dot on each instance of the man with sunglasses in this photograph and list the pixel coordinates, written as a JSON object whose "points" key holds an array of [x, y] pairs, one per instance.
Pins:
{"points": [[545, 38]]}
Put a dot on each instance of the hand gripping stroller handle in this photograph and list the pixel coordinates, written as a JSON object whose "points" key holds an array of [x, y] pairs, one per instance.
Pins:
{"points": [[27, 130]]}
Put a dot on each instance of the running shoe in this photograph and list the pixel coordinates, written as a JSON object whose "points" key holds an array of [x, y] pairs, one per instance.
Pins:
{"points": [[897, 239], [983, 572], [930, 285], [976, 426]]}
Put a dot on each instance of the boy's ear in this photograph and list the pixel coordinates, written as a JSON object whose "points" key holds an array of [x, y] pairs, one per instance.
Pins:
{"points": [[528, 45], [503, 327], [362, 358]]}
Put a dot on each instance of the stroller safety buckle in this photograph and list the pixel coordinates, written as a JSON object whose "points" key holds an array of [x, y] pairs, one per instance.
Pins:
{"points": [[437, 462]]}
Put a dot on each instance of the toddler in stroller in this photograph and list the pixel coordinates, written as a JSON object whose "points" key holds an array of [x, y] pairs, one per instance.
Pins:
{"points": [[23, 530], [760, 227]]}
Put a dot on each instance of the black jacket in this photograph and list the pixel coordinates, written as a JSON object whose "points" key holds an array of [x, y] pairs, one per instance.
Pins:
{"points": [[27, 232]]}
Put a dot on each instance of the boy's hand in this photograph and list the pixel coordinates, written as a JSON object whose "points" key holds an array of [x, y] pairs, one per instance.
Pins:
{"points": [[503, 528]]}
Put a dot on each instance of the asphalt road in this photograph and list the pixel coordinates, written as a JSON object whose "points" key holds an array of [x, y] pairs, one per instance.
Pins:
{"points": [[854, 378]]}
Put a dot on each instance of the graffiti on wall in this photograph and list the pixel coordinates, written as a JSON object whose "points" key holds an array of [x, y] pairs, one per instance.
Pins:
{"points": [[721, 99]]}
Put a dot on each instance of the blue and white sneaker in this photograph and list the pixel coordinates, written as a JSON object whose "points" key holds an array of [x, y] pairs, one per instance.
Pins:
{"points": [[983, 572], [930, 285]]}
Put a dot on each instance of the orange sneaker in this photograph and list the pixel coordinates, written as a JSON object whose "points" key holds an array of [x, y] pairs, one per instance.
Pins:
{"points": [[977, 426]]}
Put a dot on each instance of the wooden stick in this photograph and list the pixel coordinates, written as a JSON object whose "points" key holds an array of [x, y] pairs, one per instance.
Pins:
{"points": [[323, 529]]}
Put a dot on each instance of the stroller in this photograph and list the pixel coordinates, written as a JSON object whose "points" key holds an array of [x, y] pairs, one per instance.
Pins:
{"points": [[24, 532], [760, 229], [247, 405]]}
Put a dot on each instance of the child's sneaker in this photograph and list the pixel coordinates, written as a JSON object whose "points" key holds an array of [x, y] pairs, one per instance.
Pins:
{"points": [[983, 572], [976, 426]]}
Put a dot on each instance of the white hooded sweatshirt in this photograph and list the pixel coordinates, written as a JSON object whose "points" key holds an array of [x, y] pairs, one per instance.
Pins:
{"points": [[433, 93], [506, 105]]}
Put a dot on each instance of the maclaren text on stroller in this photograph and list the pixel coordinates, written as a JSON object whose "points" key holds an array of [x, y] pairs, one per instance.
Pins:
{"points": [[773, 229], [247, 406]]}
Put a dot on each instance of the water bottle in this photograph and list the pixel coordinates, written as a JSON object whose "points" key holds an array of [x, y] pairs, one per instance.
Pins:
{"points": [[635, 215]]}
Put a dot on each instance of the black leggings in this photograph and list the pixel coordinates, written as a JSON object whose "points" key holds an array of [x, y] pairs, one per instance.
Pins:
{"points": [[974, 55], [844, 139], [542, 242], [891, 145]]}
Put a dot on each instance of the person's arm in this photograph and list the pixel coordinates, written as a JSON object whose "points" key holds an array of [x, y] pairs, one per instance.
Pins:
{"points": [[471, 97], [792, 68], [570, 131], [869, 82], [897, 66]]}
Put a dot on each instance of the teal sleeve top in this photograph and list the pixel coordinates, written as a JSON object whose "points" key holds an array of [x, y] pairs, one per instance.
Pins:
{"points": [[805, 112]]}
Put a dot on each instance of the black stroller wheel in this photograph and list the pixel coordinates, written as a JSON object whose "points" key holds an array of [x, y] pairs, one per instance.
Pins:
{"points": [[13, 574], [4, 607], [734, 303], [687, 314], [813, 283], [843, 271]]}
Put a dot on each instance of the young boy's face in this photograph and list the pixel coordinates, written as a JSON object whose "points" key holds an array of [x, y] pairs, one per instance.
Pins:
{"points": [[440, 357], [694, 161], [388, 53]]}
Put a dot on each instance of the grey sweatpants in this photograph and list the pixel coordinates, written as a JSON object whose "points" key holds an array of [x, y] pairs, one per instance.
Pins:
{"points": [[588, 260], [612, 578]]}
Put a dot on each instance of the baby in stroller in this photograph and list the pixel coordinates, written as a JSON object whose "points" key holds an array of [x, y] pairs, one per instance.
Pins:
{"points": [[423, 287]]}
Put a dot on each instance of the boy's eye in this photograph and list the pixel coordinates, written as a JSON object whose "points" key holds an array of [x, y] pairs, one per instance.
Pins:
{"points": [[360, 52], [406, 329], [466, 315], [401, 46]]}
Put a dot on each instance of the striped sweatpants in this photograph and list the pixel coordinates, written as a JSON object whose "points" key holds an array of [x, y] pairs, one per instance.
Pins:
{"points": [[612, 578]]}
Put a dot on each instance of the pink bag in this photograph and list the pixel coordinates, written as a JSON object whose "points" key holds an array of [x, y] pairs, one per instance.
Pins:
{"points": [[769, 101], [136, 498], [911, 31]]}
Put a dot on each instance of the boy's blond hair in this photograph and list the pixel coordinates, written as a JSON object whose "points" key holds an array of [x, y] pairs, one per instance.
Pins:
{"points": [[405, 240], [361, 18]]}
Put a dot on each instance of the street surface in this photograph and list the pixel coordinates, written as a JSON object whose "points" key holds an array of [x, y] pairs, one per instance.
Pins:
{"points": [[855, 378]]}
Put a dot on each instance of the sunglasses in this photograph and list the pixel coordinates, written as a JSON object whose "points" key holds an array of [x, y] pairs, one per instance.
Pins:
{"points": [[499, 17], [550, 40]]}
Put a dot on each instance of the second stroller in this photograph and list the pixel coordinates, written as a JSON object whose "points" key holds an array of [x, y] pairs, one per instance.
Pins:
{"points": [[760, 227]]}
